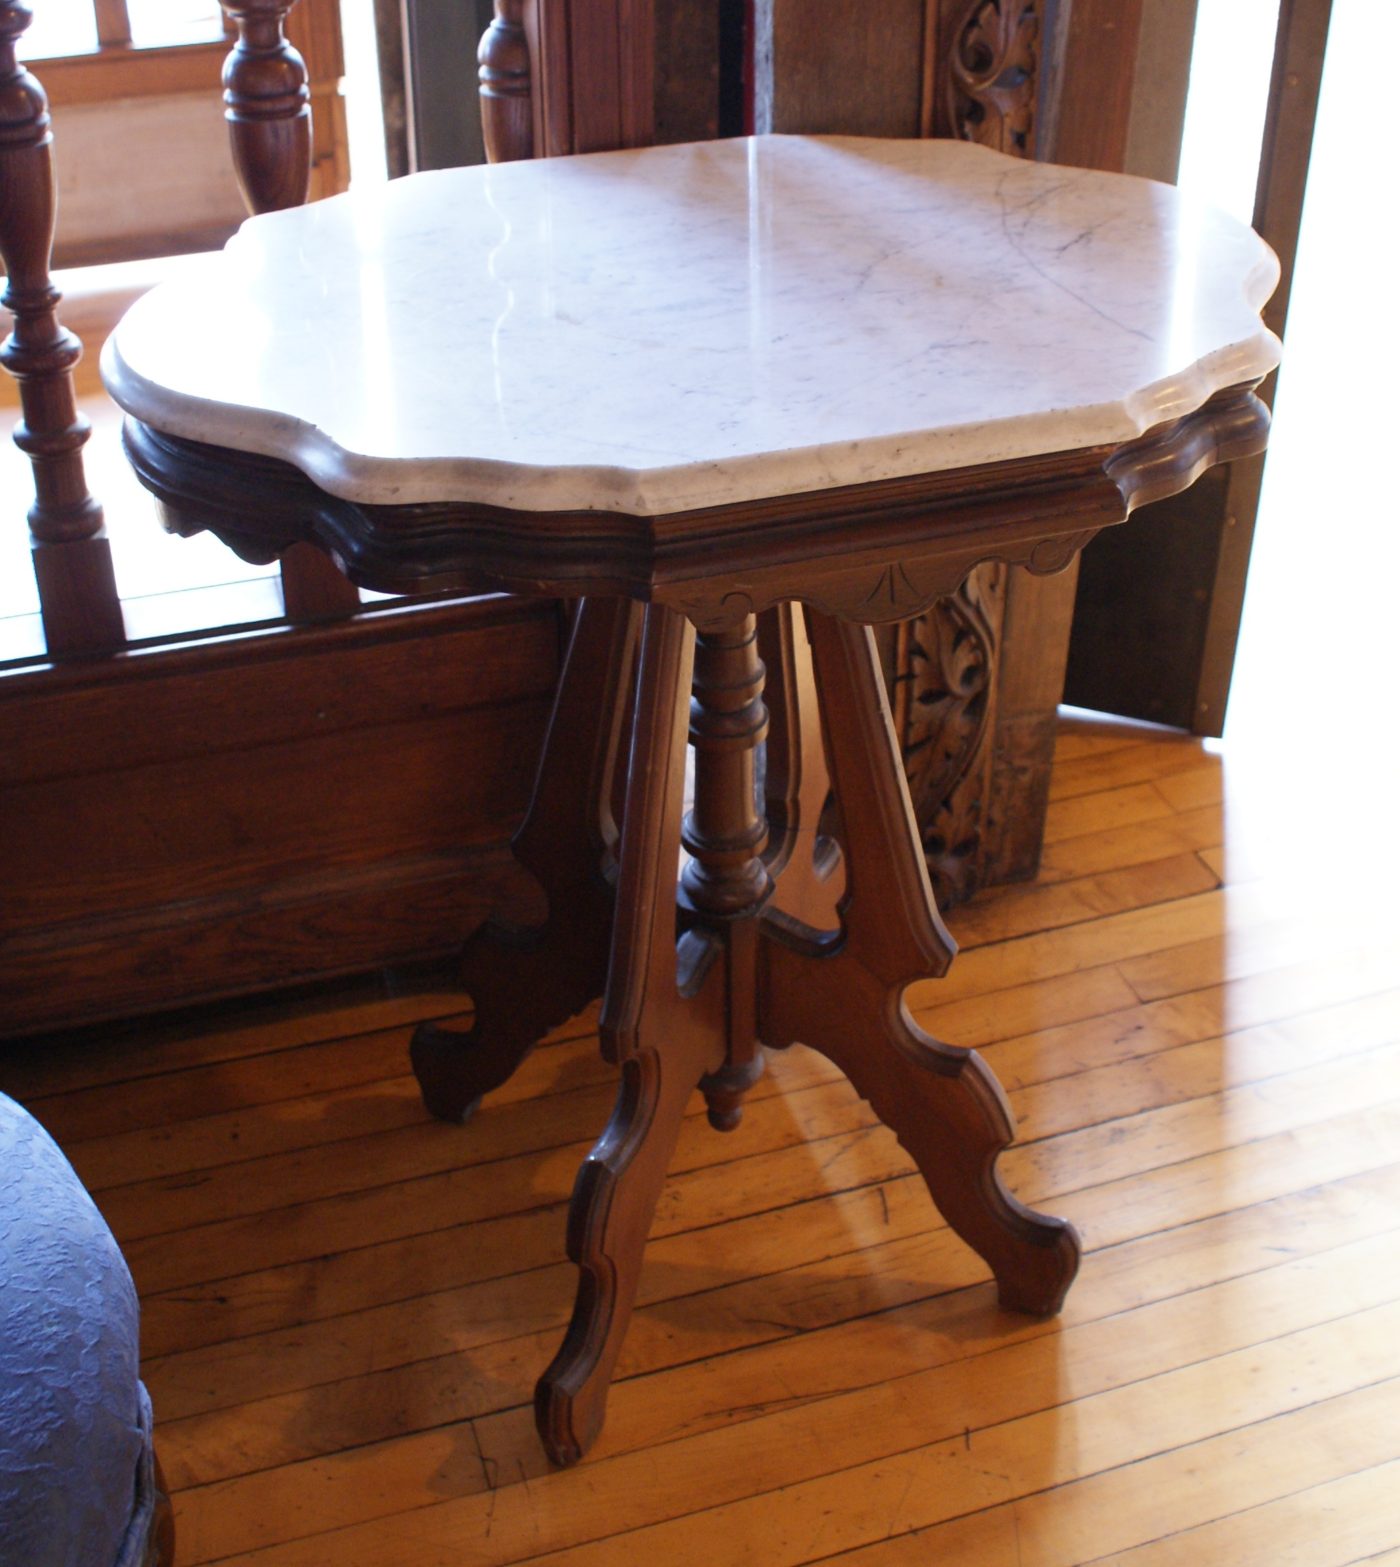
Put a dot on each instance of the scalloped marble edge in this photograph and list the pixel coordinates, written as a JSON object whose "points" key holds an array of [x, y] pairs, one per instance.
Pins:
{"points": [[375, 481], [371, 480]]}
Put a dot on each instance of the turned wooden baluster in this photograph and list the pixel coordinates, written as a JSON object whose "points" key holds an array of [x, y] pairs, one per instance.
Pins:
{"points": [[507, 123], [72, 558], [268, 109]]}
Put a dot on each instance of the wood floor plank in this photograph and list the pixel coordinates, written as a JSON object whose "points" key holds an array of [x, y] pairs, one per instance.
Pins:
{"points": [[979, 1020], [205, 1141], [511, 1127], [221, 1087], [1211, 1067], [1114, 1432], [1157, 1137], [1333, 1524], [359, 1110], [200, 1143], [1073, 1523], [1136, 933], [1216, 1011], [1092, 854], [798, 1128], [759, 1312], [1151, 759], [1242, 950], [293, 1071], [1193, 787], [396, 1401], [1095, 813], [1222, 861], [743, 1313], [713, 1394], [464, 1258], [769, 1148], [785, 1524], [1077, 736], [1020, 911], [231, 1308]]}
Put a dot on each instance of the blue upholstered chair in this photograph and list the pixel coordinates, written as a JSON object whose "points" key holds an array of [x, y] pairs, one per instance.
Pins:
{"points": [[78, 1484]]}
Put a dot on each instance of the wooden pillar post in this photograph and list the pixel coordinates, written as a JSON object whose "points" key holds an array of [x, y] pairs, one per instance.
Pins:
{"points": [[72, 558], [268, 109]]}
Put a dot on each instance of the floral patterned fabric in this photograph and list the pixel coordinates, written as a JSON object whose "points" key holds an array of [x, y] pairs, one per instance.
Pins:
{"points": [[75, 1429]]}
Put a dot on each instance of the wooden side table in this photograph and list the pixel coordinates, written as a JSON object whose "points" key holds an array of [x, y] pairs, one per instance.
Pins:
{"points": [[696, 387]]}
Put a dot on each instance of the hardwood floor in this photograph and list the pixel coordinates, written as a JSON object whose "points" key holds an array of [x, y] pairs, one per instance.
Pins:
{"points": [[345, 1304]]}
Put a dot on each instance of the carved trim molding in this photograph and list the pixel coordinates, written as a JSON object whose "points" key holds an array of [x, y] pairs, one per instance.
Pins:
{"points": [[831, 549]]}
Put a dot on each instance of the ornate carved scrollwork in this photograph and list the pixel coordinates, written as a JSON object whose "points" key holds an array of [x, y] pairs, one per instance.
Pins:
{"points": [[945, 662], [945, 659], [993, 61]]}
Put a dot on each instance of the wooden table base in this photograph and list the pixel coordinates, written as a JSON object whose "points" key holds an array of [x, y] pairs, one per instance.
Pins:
{"points": [[747, 968]]}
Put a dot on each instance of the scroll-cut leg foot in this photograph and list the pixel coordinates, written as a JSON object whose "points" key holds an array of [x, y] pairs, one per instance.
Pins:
{"points": [[944, 1105], [610, 1217], [525, 982], [664, 1043], [842, 996]]}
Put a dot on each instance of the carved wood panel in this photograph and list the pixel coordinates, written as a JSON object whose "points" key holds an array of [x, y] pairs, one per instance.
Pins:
{"points": [[990, 74], [945, 696], [982, 86]]}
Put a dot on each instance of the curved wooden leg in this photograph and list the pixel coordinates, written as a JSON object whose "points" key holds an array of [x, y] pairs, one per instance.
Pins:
{"points": [[664, 1044], [842, 995], [525, 982]]}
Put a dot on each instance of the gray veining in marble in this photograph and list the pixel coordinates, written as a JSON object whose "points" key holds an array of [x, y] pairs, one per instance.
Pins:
{"points": [[679, 327]]}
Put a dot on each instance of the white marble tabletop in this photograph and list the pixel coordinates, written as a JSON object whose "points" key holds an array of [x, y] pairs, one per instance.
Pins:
{"points": [[679, 327]]}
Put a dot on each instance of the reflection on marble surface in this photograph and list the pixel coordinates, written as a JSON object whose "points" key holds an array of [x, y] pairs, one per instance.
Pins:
{"points": [[686, 326]]}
